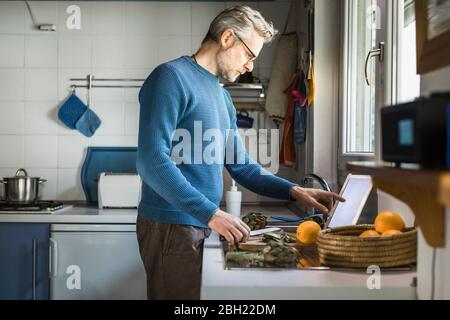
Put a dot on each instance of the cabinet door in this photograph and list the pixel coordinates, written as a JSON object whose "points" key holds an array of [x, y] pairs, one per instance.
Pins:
{"points": [[96, 265], [24, 254]]}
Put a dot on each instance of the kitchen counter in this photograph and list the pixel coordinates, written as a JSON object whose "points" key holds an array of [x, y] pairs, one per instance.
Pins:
{"points": [[74, 214], [219, 283], [80, 213]]}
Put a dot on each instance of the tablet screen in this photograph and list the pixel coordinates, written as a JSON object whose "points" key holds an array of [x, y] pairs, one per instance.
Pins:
{"points": [[356, 190]]}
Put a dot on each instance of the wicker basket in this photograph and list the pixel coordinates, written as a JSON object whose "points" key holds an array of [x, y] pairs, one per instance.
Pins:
{"points": [[342, 247]]}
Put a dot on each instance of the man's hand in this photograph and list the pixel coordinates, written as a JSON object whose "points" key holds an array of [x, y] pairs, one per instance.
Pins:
{"points": [[316, 198], [230, 227]]}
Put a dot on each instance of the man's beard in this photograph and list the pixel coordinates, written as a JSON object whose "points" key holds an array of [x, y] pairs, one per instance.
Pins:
{"points": [[223, 69]]}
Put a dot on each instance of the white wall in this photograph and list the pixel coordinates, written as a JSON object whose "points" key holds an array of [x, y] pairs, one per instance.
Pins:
{"points": [[117, 39]]}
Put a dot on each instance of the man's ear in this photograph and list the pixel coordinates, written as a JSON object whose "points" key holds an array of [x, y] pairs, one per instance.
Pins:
{"points": [[227, 39]]}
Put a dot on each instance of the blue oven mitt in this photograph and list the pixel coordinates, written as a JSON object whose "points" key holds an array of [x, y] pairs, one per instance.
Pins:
{"points": [[71, 110], [88, 123]]}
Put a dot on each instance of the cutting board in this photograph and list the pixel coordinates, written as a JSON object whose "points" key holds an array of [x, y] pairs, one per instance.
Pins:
{"points": [[252, 245]]}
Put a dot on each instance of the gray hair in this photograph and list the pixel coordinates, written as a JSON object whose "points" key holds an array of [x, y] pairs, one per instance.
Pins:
{"points": [[242, 20]]}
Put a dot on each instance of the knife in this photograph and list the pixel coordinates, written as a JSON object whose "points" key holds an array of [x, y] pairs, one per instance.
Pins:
{"points": [[262, 231]]}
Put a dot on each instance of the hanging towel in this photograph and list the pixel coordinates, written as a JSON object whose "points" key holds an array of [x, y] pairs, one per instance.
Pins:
{"points": [[287, 152], [88, 123], [312, 88], [300, 118], [71, 110], [283, 67], [301, 110]]}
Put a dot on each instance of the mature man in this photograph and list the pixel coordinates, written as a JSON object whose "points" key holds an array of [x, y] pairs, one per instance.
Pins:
{"points": [[180, 199]]}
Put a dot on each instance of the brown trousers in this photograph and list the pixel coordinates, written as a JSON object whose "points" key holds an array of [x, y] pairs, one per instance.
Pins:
{"points": [[172, 256]]}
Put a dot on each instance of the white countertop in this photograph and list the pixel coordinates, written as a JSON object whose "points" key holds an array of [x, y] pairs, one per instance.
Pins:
{"points": [[220, 283], [74, 214], [82, 214]]}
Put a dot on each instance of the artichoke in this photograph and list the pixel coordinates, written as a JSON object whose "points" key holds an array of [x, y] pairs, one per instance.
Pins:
{"points": [[280, 255], [255, 220]]}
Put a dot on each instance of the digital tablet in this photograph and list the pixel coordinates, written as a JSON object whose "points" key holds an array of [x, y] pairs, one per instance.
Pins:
{"points": [[355, 191]]}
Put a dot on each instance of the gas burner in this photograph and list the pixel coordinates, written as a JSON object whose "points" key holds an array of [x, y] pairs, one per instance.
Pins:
{"points": [[38, 206]]}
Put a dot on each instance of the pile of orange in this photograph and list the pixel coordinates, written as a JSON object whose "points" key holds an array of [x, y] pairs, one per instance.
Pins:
{"points": [[387, 224]]}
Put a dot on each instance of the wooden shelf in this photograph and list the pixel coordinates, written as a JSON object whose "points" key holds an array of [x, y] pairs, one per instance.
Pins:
{"points": [[426, 192], [248, 106]]}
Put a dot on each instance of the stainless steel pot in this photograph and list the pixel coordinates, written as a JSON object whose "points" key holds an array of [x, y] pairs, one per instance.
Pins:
{"points": [[21, 189]]}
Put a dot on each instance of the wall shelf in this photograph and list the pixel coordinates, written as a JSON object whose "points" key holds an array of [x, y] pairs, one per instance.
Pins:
{"points": [[427, 193], [247, 96]]}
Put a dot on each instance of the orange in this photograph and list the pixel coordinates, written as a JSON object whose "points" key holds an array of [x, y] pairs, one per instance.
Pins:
{"points": [[307, 232], [390, 233], [369, 234], [388, 220]]}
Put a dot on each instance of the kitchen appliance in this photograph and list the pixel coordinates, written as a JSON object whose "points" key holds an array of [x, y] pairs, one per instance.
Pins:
{"points": [[22, 189], [119, 190], [35, 207], [105, 159], [89, 261], [416, 132]]}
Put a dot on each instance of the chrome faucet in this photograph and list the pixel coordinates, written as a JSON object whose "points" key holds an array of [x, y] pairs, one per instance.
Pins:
{"points": [[325, 186], [311, 177]]}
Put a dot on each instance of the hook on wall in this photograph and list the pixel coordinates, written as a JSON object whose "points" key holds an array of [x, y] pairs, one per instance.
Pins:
{"points": [[42, 26]]}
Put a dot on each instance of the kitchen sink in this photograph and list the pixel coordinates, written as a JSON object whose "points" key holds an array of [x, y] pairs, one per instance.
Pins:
{"points": [[272, 256]]}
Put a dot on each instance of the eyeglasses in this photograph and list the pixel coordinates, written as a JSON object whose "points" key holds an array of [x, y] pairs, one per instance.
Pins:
{"points": [[253, 56]]}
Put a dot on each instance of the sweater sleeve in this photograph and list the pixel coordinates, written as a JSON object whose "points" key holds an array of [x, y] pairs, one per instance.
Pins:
{"points": [[162, 103], [250, 174]]}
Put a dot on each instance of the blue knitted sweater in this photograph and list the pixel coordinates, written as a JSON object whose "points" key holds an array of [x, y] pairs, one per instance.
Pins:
{"points": [[180, 159]]}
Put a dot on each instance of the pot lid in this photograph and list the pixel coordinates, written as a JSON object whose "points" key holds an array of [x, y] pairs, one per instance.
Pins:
{"points": [[21, 174]]}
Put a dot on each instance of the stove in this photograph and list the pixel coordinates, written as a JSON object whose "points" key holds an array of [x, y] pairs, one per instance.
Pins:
{"points": [[37, 206]]}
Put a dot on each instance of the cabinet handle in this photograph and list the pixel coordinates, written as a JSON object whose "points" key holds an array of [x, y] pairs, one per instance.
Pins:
{"points": [[54, 258], [33, 276]]}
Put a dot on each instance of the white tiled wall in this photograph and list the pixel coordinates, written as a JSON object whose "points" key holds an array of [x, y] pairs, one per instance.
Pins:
{"points": [[119, 39]]}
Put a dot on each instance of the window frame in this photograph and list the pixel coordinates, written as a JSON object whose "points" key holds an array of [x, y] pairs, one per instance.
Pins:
{"points": [[390, 80]]}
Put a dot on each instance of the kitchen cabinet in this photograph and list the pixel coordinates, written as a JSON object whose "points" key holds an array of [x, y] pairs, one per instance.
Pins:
{"points": [[96, 261], [24, 255]]}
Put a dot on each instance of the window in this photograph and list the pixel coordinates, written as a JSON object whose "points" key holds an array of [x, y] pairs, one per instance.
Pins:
{"points": [[367, 25], [359, 109], [409, 80]]}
